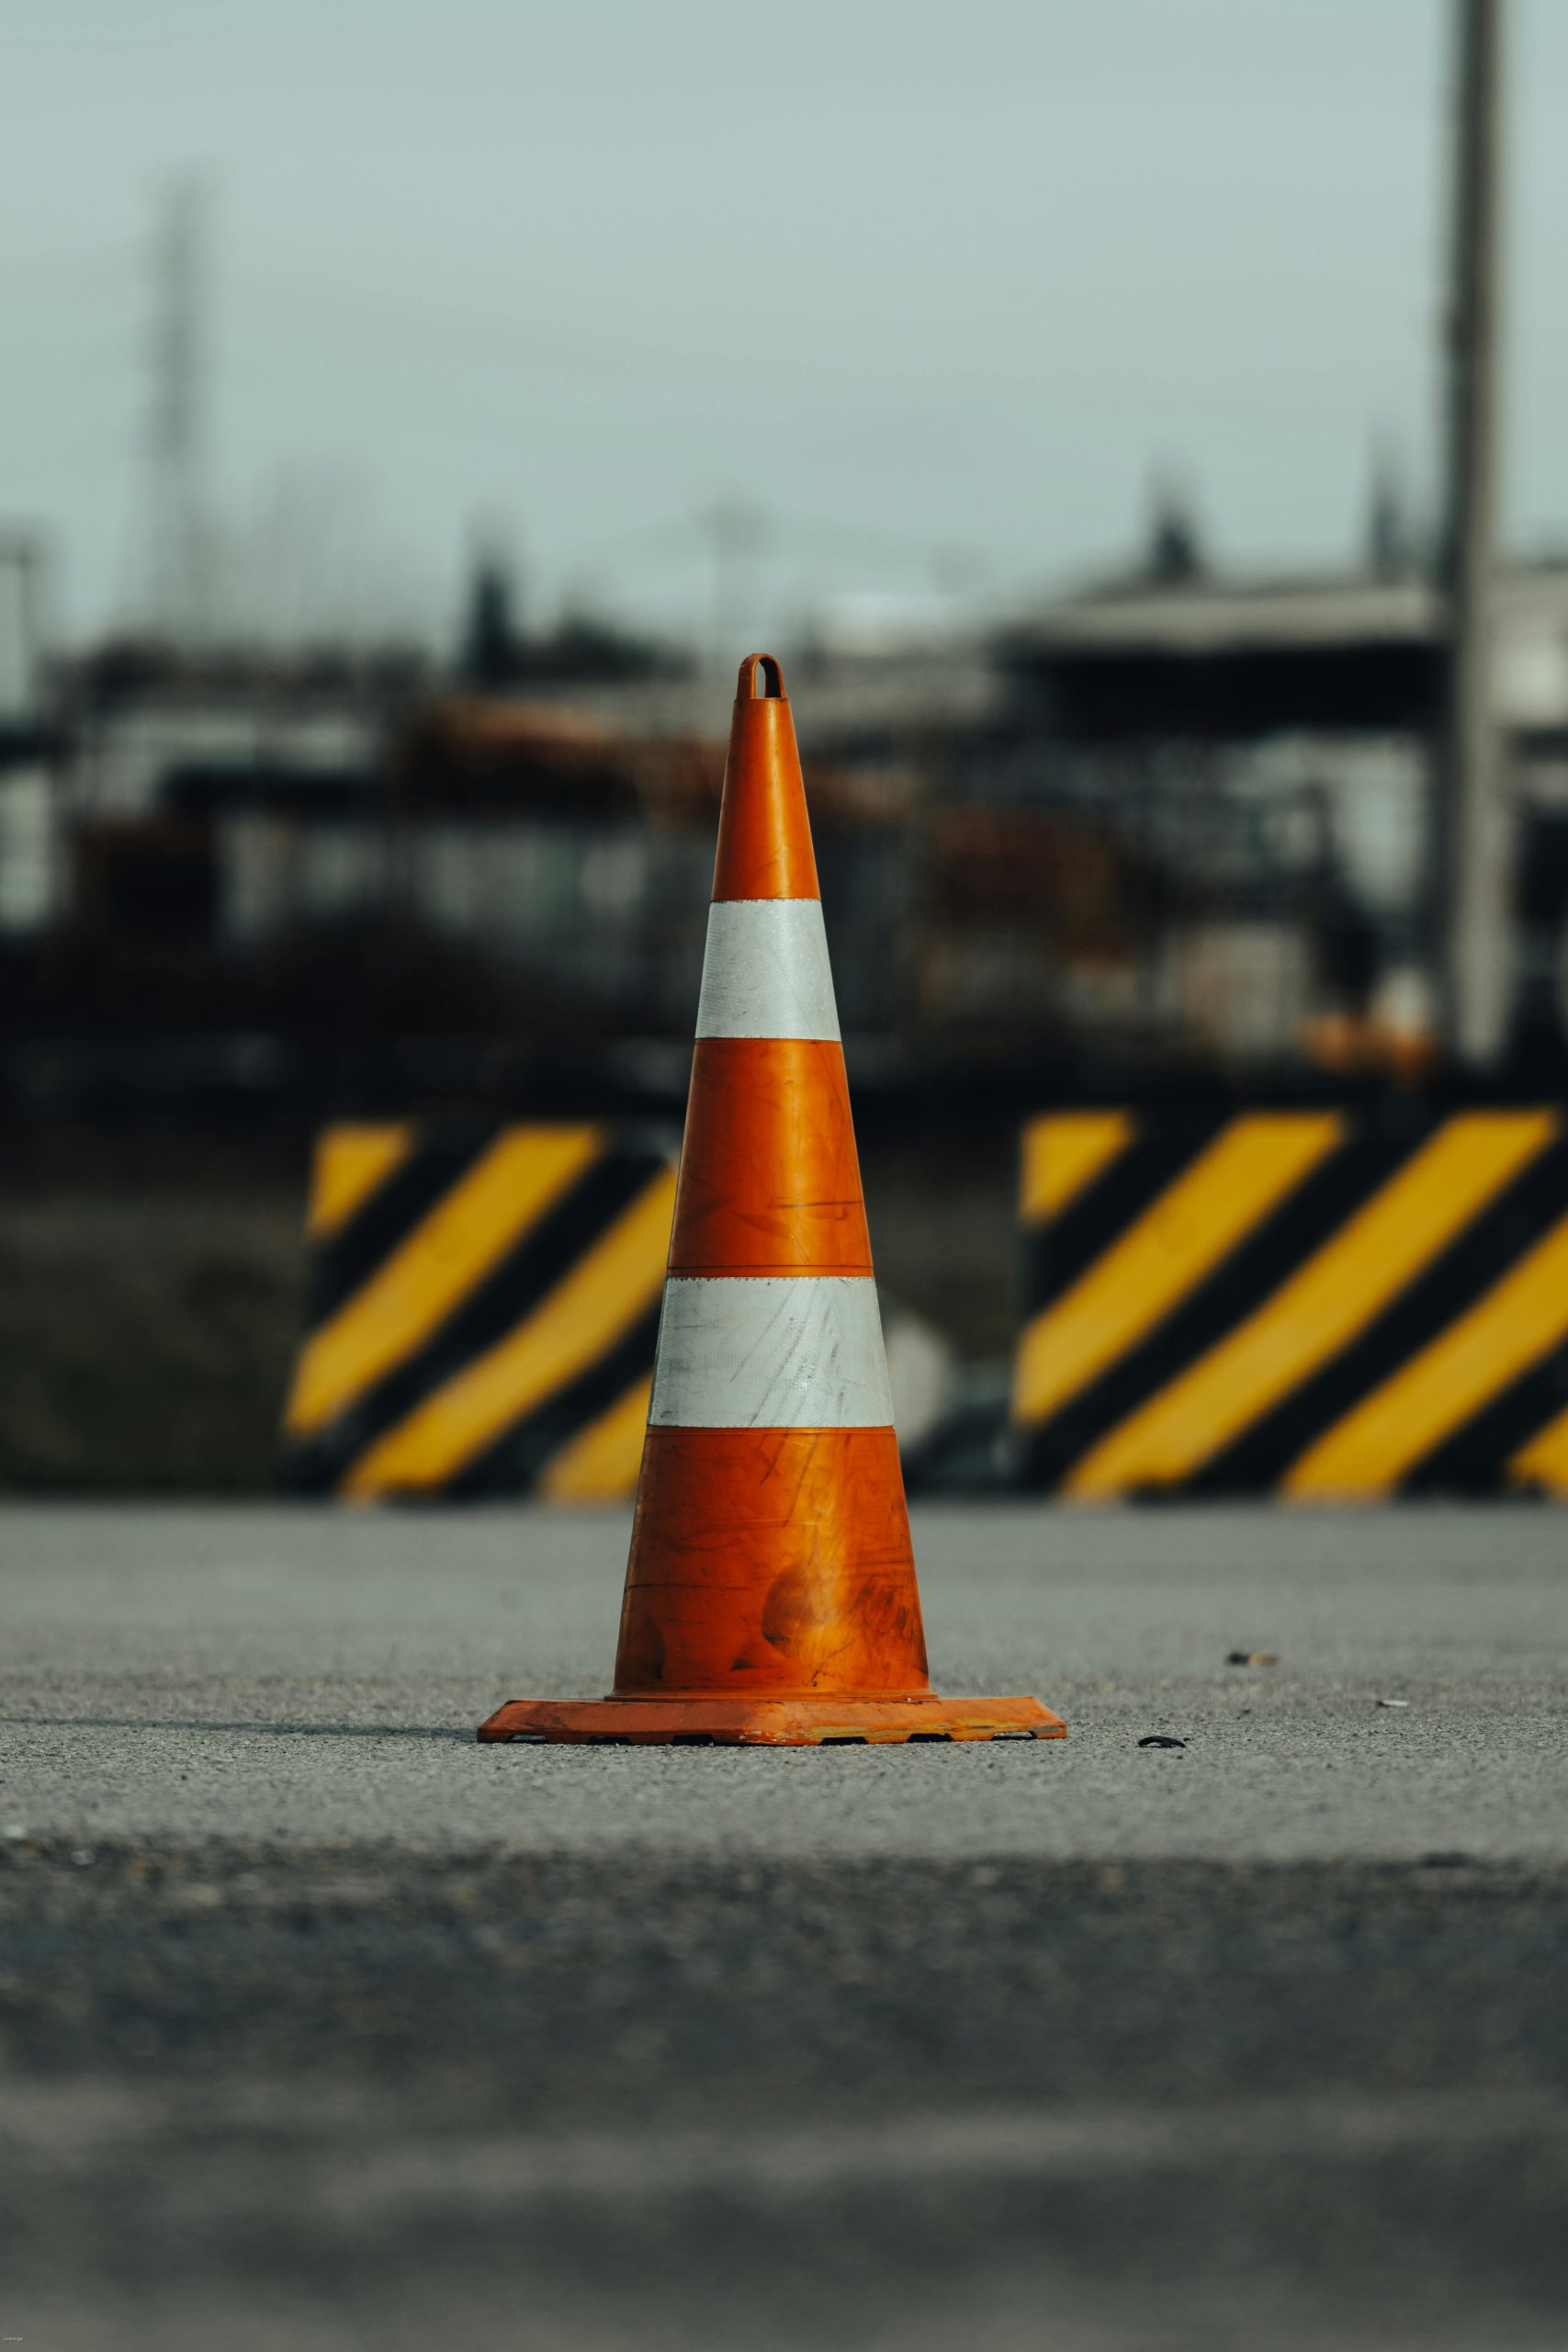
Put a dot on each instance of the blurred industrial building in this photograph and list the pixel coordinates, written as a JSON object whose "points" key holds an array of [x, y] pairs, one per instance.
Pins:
{"points": [[1174, 822], [1167, 835]]}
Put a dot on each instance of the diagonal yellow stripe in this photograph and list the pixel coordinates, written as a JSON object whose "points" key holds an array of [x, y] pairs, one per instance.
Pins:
{"points": [[1324, 1305], [1544, 1461], [350, 1162], [600, 1463], [1064, 1153], [1501, 1335], [440, 1262], [1245, 1171], [584, 1316]]}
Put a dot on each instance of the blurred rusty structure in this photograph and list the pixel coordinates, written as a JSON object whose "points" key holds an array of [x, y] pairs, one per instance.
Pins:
{"points": [[1176, 823]]}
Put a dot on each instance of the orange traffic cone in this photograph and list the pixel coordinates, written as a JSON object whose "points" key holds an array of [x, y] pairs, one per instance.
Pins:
{"points": [[771, 1594]]}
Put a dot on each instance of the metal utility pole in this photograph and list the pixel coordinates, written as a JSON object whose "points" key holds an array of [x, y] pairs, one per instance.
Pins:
{"points": [[178, 419], [1474, 831]]}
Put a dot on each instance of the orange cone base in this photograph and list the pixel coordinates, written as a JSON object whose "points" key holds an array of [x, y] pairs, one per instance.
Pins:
{"points": [[805, 1722]]}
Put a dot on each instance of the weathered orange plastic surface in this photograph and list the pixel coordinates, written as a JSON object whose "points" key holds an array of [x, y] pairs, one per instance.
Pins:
{"points": [[764, 835], [770, 1181], [771, 1560], [769, 1723], [770, 1597]]}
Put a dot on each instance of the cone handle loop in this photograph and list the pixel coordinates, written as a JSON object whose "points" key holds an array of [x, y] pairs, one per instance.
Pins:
{"points": [[772, 686]]}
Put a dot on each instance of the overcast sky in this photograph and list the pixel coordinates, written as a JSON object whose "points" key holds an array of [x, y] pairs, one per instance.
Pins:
{"points": [[934, 285]]}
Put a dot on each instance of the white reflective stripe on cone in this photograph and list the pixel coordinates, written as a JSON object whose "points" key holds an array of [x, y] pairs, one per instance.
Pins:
{"points": [[765, 972], [770, 1352]]}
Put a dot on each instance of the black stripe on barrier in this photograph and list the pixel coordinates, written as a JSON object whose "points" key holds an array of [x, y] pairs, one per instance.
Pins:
{"points": [[1474, 1459], [1056, 1251], [515, 1461], [1480, 1254], [516, 1284], [344, 1261], [1244, 1279]]}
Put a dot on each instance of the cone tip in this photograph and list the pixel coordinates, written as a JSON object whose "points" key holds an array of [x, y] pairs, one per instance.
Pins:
{"points": [[771, 689]]}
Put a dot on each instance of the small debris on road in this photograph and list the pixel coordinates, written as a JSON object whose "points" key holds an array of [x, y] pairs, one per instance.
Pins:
{"points": [[1158, 1739], [1393, 1702], [1251, 1658]]}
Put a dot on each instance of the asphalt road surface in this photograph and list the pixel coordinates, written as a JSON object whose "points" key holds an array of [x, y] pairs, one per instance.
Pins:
{"points": [[323, 2026]]}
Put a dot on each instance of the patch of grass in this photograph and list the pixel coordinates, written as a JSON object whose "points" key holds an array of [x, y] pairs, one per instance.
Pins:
{"points": [[146, 1343]]}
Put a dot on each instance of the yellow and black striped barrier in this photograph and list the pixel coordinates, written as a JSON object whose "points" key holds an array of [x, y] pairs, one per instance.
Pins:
{"points": [[1318, 1304], [482, 1313]]}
